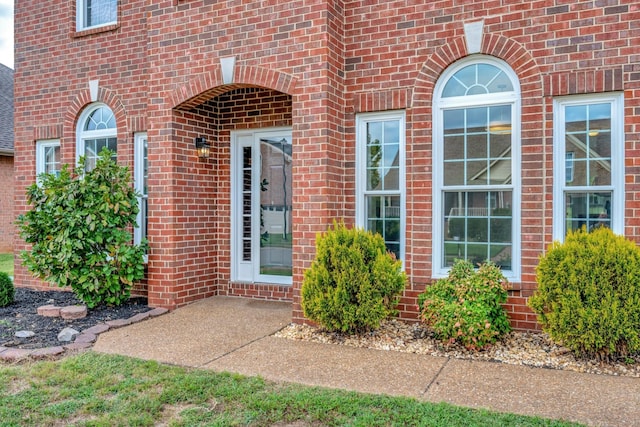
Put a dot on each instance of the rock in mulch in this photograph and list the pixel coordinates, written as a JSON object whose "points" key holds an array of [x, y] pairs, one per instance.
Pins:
{"points": [[67, 334]]}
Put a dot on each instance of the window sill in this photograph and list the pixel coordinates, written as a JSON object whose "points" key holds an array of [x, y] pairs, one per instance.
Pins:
{"points": [[95, 30]]}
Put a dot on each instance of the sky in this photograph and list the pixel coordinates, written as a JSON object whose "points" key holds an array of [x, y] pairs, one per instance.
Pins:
{"points": [[6, 32]]}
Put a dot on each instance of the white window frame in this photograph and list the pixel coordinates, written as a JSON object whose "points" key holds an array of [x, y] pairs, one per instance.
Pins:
{"points": [[361, 170], [140, 139], [469, 101], [248, 271], [617, 159], [41, 146], [81, 16], [82, 135]]}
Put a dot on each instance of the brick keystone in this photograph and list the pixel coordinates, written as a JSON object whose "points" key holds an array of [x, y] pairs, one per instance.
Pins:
{"points": [[73, 312], [43, 353], [49, 310]]}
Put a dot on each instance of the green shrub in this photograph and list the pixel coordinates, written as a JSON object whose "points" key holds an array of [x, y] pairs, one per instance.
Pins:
{"points": [[7, 291], [466, 305], [79, 228], [353, 282], [588, 295]]}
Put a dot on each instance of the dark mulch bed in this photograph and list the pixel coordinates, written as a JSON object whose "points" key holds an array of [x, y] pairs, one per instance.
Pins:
{"points": [[22, 316]]}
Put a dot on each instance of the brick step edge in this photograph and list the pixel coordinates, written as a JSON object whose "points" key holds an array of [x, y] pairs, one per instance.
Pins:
{"points": [[83, 341]]}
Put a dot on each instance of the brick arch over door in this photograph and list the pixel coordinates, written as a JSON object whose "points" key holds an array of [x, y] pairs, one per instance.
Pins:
{"points": [[207, 85]]}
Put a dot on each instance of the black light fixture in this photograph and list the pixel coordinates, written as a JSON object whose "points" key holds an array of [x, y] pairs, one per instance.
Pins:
{"points": [[202, 147]]}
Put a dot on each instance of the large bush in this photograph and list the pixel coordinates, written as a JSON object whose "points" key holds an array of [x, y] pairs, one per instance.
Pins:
{"points": [[588, 295], [466, 306], [79, 227], [353, 282], [7, 291]]}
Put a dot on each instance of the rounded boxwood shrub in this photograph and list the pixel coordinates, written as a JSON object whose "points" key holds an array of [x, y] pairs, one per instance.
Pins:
{"points": [[466, 306], [588, 295], [353, 282], [7, 291]]}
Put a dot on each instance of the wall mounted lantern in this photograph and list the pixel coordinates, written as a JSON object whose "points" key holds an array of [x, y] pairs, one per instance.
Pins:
{"points": [[202, 147]]}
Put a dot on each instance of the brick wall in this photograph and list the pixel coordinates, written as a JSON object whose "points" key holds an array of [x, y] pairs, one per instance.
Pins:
{"points": [[312, 65], [6, 204]]}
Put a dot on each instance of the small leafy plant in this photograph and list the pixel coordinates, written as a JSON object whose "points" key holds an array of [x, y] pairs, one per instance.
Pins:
{"points": [[353, 282], [588, 295], [7, 291], [79, 228], [466, 306]]}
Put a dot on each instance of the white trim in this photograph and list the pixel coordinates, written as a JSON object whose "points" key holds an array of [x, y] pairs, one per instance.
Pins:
{"points": [[501, 98], [617, 186], [140, 139], [249, 271], [80, 17], [361, 169], [40, 158]]}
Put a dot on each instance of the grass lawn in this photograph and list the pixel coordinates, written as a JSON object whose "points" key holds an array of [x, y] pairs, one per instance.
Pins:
{"points": [[103, 390], [6, 263]]}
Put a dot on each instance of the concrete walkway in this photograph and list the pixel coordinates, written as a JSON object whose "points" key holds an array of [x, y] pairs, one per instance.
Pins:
{"points": [[234, 334]]}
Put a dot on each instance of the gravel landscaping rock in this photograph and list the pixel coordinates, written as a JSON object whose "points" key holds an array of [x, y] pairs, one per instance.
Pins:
{"points": [[517, 348]]}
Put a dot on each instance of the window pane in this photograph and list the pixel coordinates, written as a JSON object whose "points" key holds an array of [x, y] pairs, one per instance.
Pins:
{"points": [[383, 217], [477, 79], [588, 137], [98, 12], [52, 159], [94, 146], [587, 209], [478, 226], [100, 119]]}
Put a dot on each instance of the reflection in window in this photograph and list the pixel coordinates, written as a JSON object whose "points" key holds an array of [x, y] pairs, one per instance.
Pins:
{"points": [[589, 140], [475, 166], [48, 157], [380, 138]]}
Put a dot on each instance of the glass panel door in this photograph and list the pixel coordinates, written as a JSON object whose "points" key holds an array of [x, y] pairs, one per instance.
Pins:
{"points": [[262, 207], [275, 206]]}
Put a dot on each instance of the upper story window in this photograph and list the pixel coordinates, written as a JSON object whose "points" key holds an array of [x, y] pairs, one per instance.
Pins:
{"points": [[476, 166], [96, 13], [588, 163], [380, 139], [96, 130]]}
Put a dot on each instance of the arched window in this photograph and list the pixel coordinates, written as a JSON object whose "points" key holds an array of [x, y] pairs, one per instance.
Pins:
{"points": [[96, 130], [476, 154]]}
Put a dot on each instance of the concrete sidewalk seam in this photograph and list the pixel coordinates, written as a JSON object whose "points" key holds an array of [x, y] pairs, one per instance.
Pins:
{"points": [[241, 347], [435, 377]]}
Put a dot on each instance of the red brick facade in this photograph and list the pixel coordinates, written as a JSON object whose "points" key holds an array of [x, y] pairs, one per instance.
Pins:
{"points": [[6, 204], [312, 66]]}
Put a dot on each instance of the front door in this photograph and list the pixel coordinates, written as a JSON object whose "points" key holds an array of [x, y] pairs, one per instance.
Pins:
{"points": [[261, 206]]}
